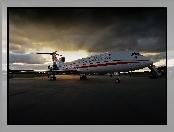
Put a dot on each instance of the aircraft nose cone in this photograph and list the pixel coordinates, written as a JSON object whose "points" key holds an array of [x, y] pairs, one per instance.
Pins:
{"points": [[150, 62]]}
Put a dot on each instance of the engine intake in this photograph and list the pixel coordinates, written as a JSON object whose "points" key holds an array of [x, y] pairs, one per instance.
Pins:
{"points": [[63, 59]]}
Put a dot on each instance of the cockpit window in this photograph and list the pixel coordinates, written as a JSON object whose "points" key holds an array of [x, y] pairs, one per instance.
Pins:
{"points": [[134, 53]]}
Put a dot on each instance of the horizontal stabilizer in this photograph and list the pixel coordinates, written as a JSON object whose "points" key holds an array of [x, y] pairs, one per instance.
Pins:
{"points": [[44, 53]]}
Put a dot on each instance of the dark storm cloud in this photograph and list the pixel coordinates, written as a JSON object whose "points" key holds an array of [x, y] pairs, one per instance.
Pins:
{"points": [[90, 29], [31, 58]]}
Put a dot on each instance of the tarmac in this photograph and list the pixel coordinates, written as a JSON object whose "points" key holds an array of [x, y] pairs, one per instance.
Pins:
{"points": [[99, 100]]}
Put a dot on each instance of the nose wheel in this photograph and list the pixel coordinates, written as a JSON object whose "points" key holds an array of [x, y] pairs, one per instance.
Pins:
{"points": [[117, 80]]}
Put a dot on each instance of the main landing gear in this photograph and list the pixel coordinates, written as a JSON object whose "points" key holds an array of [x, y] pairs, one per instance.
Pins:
{"points": [[52, 76], [83, 77]]}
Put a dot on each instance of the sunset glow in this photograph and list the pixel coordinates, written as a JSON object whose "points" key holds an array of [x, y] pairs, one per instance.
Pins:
{"points": [[69, 55], [73, 55]]}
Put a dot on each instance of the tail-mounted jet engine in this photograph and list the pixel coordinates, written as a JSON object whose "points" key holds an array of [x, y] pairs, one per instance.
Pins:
{"points": [[63, 59]]}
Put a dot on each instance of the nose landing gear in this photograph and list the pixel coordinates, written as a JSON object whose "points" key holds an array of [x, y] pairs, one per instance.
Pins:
{"points": [[117, 80]]}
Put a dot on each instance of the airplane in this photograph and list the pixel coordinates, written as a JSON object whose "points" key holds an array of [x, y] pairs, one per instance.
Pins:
{"points": [[109, 62]]}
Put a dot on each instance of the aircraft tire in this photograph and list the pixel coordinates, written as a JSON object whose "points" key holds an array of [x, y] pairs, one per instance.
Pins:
{"points": [[54, 78], [83, 77], [117, 80]]}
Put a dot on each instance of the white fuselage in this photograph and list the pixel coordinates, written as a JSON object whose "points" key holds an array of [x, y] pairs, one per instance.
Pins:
{"points": [[120, 61]]}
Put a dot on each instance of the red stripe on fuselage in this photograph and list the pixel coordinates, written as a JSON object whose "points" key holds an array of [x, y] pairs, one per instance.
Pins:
{"points": [[101, 64], [106, 64], [92, 66], [111, 63], [84, 66]]}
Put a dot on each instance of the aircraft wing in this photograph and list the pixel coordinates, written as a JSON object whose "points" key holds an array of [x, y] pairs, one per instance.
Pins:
{"points": [[60, 71], [48, 71], [21, 71], [64, 70]]}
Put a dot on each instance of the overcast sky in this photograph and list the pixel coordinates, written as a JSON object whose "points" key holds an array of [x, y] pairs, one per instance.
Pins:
{"points": [[92, 30]]}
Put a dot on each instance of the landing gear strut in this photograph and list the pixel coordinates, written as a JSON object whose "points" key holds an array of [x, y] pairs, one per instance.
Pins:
{"points": [[117, 80], [52, 76]]}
